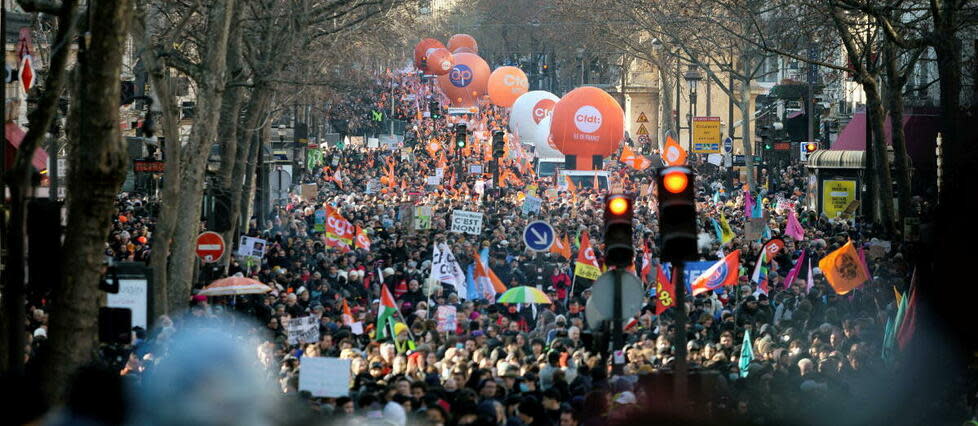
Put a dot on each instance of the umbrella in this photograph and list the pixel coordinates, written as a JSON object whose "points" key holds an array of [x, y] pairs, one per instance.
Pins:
{"points": [[524, 294], [234, 285]]}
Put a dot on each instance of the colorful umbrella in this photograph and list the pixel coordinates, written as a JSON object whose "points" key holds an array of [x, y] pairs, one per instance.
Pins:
{"points": [[524, 294], [234, 285]]}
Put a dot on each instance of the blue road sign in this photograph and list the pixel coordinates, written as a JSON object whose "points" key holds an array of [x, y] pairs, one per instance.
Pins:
{"points": [[538, 236], [728, 145]]}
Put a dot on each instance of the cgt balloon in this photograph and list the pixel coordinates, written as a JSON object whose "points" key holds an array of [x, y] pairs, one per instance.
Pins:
{"points": [[587, 122]]}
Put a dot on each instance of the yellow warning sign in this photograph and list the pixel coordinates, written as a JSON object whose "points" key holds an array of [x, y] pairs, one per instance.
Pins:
{"points": [[642, 118], [642, 130]]}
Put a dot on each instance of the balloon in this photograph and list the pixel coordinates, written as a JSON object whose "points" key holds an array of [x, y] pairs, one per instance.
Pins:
{"points": [[466, 81], [541, 139], [440, 61], [141, 240], [587, 122], [506, 84], [464, 50], [422, 48], [463, 40], [528, 114]]}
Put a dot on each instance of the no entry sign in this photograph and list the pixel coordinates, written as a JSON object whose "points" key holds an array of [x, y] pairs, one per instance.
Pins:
{"points": [[210, 247]]}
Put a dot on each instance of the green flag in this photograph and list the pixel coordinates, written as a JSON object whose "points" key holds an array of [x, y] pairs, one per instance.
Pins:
{"points": [[746, 355]]}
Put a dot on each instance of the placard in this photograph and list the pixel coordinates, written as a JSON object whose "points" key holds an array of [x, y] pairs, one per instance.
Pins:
{"points": [[132, 295], [373, 142], [433, 180], [325, 377], [309, 191], [475, 169], [251, 247], [303, 329], [467, 222], [837, 196], [531, 204], [422, 218], [373, 186], [440, 172], [706, 135], [447, 320], [755, 228]]}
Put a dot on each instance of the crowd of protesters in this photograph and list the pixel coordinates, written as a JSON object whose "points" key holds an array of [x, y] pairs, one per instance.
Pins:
{"points": [[814, 352]]}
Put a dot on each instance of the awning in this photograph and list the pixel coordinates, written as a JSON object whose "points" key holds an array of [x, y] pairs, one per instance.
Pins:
{"points": [[15, 135], [920, 127], [831, 159]]}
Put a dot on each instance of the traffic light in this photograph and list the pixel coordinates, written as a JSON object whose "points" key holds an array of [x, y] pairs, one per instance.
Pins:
{"points": [[618, 213], [498, 144], [460, 135], [434, 108], [677, 214], [768, 145], [810, 147]]}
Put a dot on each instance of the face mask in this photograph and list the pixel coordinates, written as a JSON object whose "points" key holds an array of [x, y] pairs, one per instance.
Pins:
{"points": [[524, 388]]}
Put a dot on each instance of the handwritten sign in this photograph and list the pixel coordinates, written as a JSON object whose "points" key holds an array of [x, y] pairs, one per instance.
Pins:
{"points": [[531, 204], [325, 377], [303, 329], [447, 319], [466, 222]]}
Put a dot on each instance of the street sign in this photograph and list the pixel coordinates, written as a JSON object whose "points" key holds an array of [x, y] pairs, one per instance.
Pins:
{"points": [[642, 118], [603, 292], [210, 246], [538, 236], [706, 135], [728, 145], [594, 318]]}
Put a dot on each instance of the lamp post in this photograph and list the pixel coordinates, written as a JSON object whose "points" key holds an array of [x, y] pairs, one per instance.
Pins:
{"points": [[692, 77]]}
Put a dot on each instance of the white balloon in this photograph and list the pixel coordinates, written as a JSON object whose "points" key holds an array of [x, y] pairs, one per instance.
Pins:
{"points": [[541, 141], [528, 113]]}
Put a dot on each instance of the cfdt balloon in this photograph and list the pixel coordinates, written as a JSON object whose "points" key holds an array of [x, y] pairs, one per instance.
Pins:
{"points": [[466, 82], [541, 145], [528, 113], [506, 84], [440, 61], [587, 122], [422, 48], [463, 40]]}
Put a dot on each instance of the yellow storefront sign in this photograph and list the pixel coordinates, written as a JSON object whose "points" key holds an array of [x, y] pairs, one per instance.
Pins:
{"points": [[706, 135], [836, 196]]}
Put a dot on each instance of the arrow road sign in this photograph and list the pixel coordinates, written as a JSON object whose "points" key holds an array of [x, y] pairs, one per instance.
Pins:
{"points": [[538, 236], [728, 145]]}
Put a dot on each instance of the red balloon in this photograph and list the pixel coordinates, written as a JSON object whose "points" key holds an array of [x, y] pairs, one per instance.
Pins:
{"points": [[467, 80], [463, 40], [422, 48], [440, 61], [586, 122]]}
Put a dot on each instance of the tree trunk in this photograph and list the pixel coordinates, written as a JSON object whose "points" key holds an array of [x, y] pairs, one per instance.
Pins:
{"points": [[162, 238], [743, 104], [894, 101], [19, 182], [881, 162], [98, 168], [248, 144], [228, 135], [248, 201], [666, 101], [210, 87]]}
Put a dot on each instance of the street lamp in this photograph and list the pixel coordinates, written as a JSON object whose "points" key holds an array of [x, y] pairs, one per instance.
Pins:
{"points": [[692, 77]]}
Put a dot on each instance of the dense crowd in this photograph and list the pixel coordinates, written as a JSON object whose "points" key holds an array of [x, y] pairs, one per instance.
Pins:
{"points": [[814, 352]]}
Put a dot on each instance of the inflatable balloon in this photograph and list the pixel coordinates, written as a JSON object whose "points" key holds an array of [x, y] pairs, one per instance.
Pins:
{"points": [[506, 84], [541, 141], [465, 50], [587, 122], [440, 61], [463, 40], [422, 48], [528, 114], [466, 81]]}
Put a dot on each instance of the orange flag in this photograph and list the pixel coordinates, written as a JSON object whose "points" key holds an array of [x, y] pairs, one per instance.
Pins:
{"points": [[570, 184], [561, 247], [347, 314], [674, 155], [636, 161], [586, 265], [843, 269]]}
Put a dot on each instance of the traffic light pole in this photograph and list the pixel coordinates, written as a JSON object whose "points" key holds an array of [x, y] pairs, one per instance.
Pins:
{"points": [[680, 366], [617, 338]]}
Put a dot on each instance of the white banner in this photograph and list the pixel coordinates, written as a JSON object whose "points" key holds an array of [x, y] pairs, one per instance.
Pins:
{"points": [[467, 222], [252, 247], [445, 268], [325, 377], [304, 329]]}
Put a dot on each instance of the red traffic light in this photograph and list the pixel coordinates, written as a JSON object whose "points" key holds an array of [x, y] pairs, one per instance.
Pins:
{"points": [[675, 182], [811, 147]]}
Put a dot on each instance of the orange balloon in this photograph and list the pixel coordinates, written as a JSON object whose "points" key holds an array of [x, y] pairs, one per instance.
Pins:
{"points": [[463, 40], [440, 61], [464, 50], [123, 219], [467, 80], [586, 122], [506, 84], [422, 48]]}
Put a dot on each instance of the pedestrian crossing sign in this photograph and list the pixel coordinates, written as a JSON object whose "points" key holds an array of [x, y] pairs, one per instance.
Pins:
{"points": [[642, 130], [642, 118]]}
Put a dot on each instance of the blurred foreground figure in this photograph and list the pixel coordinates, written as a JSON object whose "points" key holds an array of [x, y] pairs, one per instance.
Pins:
{"points": [[204, 377]]}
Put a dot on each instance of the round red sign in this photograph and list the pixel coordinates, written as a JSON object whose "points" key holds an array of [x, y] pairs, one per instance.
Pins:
{"points": [[210, 246]]}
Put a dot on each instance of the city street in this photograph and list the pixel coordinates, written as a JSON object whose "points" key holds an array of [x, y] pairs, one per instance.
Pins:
{"points": [[522, 212]]}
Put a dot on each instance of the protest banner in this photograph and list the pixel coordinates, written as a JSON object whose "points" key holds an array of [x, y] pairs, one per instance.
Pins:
{"points": [[251, 247], [466, 222], [447, 320], [303, 329], [325, 377]]}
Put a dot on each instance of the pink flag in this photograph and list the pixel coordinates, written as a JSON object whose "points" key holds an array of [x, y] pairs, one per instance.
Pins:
{"points": [[748, 204], [793, 229], [793, 273], [811, 279]]}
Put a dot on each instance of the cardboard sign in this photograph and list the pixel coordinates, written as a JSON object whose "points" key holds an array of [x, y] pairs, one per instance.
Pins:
{"points": [[252, 247], [303, 330], [447, 320], [467, 222], [325, 377], [422, 218], [309, 191], [531, 204]]}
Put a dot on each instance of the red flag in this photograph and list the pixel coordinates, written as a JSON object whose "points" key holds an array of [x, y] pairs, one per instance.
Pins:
{"points": [[361, 240], [725, 272], [665, 292]]}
